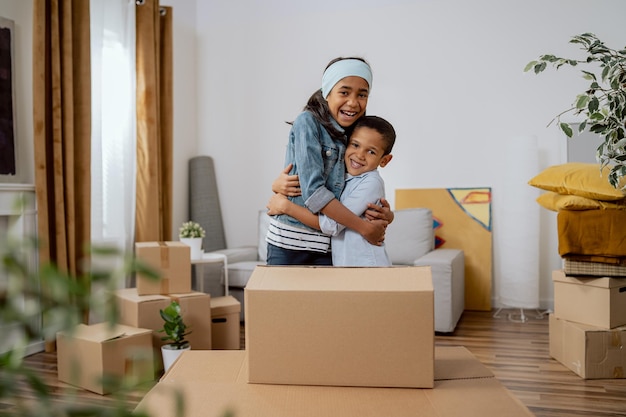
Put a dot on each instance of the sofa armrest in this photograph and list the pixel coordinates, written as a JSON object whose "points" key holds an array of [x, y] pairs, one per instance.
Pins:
{"points": [[240, 254], [448, 271]]}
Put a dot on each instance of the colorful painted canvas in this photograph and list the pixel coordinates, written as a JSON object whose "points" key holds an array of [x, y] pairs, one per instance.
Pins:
{"points": [[462, 220]]}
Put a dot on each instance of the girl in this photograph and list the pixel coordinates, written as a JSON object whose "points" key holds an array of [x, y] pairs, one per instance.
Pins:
{"points": [[315, 151]]}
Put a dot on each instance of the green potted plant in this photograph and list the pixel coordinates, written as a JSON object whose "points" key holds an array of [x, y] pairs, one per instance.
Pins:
{"points": [[175, 331], [602, 104], [191, 234]]}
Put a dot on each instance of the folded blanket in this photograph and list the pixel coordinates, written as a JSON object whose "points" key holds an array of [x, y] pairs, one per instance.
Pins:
{"points": [[608, 260], [593, 269], [599, 234]]}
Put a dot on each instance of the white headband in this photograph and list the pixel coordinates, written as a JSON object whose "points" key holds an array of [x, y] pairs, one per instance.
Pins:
{"points": [[342, 69]]}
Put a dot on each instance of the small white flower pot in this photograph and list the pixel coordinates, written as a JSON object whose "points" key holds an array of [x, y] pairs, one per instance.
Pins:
{"points": [[195, 243], [170, 355]]}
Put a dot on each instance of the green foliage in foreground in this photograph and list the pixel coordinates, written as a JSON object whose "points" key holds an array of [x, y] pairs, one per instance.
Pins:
{"points": [[603, 103], [27, 296]]}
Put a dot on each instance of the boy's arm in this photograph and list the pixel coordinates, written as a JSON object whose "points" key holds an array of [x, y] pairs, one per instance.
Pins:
{"points": [[286, 184], [373, 231], [279, 204], [356, 199]]}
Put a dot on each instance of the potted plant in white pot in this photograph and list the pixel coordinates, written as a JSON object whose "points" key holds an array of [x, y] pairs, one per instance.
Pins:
{"points": [[191, 234], [602, 104], [175, 331]]}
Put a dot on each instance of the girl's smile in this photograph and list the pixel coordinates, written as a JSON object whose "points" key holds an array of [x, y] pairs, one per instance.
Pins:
{"points": [[347, 100]]}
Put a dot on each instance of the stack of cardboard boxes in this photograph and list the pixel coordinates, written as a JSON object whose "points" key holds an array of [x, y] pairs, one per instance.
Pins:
{"points": [[324, 341], [588, 327], [212, 322]]}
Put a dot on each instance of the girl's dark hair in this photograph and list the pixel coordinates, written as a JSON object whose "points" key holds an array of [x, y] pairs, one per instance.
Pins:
{"points": [[318, 106], [382, 126]]}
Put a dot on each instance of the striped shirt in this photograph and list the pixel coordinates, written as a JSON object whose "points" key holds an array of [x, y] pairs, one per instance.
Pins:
{"points": [[295, 238]]}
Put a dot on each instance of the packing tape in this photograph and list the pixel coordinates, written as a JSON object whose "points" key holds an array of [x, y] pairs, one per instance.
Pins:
{"points": [[165, 285], [165, 255], [616, 339]]}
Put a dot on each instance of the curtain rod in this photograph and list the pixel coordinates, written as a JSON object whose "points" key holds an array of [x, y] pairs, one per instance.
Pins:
{"points": [[162, 10]]}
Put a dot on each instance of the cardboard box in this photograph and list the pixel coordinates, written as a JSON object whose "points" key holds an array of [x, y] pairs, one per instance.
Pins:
{"points": [[595, 301], [225, 323], [195, 307], [90, 355], [213, 382], [142, 311], [340, 326], [172, 260], [591, 352]]}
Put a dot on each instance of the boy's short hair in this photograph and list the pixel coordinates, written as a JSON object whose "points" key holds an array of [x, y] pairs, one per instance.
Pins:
{"points": [[380, 125]]}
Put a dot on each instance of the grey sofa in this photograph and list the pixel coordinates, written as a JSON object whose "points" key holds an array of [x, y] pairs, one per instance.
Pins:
{"points": [[409, 240]]}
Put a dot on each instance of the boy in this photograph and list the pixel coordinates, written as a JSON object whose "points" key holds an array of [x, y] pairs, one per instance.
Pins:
{"points": [[369, 147]]}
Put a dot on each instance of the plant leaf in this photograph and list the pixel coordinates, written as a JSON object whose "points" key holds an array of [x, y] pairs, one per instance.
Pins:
{"points": [[530, 65], [565, 127]]}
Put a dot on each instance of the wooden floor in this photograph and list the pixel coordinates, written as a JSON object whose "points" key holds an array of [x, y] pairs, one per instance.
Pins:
{"points": [[517, 354]]}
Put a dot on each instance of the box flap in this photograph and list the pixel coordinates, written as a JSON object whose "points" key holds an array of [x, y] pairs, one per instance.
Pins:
{"points": [[451, 362], [309, 278], [102, 332], [224, 305], [456, 362], [131, 295], [603, 282], [218, 387], [202, 366], [192, 294]]}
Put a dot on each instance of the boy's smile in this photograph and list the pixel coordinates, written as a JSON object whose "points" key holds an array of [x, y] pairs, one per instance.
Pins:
{"points": [[365, 151]]}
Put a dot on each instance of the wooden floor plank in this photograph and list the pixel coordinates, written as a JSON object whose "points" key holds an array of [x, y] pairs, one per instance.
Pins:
{"points": [[517, 354]]}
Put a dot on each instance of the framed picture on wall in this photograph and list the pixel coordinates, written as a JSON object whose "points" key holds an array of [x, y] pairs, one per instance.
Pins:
{"points": [[9, 165]]}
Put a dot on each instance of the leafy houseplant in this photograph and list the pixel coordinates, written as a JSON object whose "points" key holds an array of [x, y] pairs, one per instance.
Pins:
{"points": [[175, 331], [602, 104], [174, 327], [191, 229]]}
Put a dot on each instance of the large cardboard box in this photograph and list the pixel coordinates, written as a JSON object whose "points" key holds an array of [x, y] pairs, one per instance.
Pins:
{"points": [[91, 355], [591, 352], [214, 382], [142, 311], [340, 326], [225, 322], [595, 301], [172, 260], [195, 307]]}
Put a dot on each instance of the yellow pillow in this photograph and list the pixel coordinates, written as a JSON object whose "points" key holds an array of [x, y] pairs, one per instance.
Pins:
{"points": [[555, 202], [578, 178]]}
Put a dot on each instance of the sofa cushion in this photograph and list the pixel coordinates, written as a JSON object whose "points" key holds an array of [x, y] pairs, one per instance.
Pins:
{"points": [[410, 236], [555, 202], [239, 273], [578, 178]]}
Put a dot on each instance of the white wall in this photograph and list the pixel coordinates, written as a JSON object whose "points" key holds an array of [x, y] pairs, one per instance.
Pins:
{"points": [[448, 75]]}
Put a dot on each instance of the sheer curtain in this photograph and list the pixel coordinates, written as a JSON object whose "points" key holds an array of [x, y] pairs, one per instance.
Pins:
{"points": [[113, 123]]}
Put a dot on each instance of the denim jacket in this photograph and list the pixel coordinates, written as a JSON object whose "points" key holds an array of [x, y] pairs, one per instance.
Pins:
{"points": [[318, 161]]}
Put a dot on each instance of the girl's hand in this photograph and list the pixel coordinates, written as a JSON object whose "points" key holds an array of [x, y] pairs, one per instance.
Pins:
{"points": [[286, 184], [277, 205], [376, 212]]}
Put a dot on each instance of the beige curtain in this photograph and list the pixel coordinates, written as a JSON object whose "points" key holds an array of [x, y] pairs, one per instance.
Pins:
{"points": [[62, 131], [154, 121]]}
